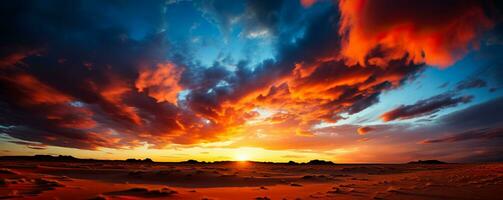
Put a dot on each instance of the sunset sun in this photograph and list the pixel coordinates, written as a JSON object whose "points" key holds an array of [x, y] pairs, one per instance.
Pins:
{"points": [[242, 157]]}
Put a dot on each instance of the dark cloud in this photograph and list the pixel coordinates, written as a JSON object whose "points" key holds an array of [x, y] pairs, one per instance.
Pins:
{"points": [[493, 71], [260, 18], [266, 13], [443, 85], [483, 115], [75, 86], [479, 134], [468, 84], [472, 134], [484, 155], [425, 107]]}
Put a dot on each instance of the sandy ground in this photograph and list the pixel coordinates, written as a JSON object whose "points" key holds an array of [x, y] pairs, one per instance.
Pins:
{"points": [[243, 180]]}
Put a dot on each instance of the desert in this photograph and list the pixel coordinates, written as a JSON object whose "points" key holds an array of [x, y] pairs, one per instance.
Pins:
{"points": [[84, 179]]}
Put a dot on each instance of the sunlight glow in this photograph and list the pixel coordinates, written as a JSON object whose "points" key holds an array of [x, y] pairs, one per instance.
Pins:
{"points": [[242, 157]]}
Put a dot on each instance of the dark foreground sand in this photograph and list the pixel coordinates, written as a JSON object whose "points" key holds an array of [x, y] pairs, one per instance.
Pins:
{"points": [[243, 180]]}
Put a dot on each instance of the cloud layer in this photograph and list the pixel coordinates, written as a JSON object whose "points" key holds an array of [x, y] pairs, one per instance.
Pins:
{"points": [[431, 32], [72, 78], [425, 107]]}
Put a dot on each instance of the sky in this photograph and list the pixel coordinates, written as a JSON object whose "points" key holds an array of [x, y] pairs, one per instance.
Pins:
{"points": [[350, 81]]}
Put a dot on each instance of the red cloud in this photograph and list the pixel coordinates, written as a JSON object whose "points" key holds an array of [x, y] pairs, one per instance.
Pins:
{"points": [[364, 130], [35, 91], [113, 100], [307, 3], [437, 33], [161, 83], [16, 57]]}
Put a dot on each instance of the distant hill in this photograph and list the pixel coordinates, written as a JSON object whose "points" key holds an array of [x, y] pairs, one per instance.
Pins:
{"points": [[146, 160], [42, 158], [62, 158], [427, 162], [320, 162]]}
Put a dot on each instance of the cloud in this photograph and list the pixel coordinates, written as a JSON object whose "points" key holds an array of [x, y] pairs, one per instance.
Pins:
{"points": [[306, 83], [31, 145], [307, 3], [473, 134], [102, 85], [260, 18], [481, 115], [424, 107], [479, 134], [431, 32], [364, 130], [78, 91], [161, 83], [473, 83]]}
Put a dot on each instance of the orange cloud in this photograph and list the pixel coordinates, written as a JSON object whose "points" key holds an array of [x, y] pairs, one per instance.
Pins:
{"points": [[161, 83], [432, 32], [364, 130], [35, 91], [307, 3], [114, 94], [16, 57], [70, 117], [320, 92]]}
